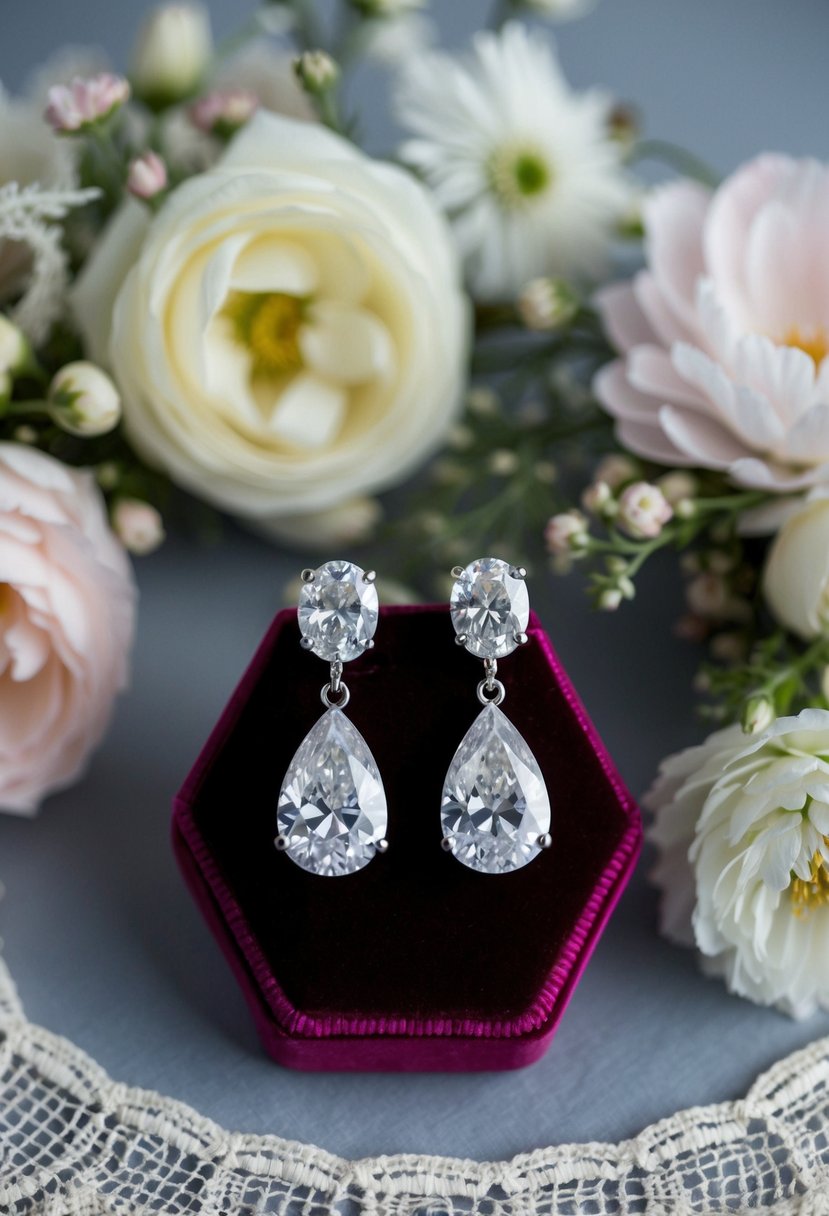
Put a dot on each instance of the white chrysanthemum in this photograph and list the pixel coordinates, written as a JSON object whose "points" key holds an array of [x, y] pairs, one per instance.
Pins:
{"points": [[523, 166], [742, 824]]}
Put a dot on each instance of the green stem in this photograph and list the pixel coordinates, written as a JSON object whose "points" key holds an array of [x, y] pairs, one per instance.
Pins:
{"points": [[677, 158]]}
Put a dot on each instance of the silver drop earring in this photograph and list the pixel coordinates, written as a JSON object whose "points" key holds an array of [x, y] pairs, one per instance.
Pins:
{"points": [[495, 809], [332, 813]]}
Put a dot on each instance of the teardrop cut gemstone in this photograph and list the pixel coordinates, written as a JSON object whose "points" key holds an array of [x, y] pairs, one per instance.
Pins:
{"points": [[495, 804], [332, 807]]}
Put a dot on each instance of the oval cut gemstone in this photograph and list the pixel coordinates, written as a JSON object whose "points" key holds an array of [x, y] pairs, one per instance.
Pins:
{"points": [[495, 805], [489, 607], [338, 611], [332, 806]]}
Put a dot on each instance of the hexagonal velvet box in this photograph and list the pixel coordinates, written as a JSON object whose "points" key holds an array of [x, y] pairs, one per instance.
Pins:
{"points": [[415, 962]]}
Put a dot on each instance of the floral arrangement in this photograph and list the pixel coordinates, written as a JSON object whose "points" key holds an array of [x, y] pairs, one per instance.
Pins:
{"points": [[211, 293]]}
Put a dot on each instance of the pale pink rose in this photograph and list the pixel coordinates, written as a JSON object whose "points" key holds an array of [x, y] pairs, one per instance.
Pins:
{"points": [[725, 334], [67, 610], [73, 106]]}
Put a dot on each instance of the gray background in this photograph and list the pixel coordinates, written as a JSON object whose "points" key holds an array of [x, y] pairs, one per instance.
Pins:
{"points": [[99, 931]]}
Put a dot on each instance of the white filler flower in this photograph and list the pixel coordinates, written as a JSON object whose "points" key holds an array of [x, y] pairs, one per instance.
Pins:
{"points": [[742, 824], [524, 167]]}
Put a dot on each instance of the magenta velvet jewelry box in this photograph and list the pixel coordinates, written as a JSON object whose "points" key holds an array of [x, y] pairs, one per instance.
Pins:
{"points": [[415, 962]]}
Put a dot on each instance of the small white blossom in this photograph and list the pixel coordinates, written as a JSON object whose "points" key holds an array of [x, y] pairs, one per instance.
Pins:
{"points": [[545, 472], [147, 176], [137, 525], [71, 108], [616, 469], [708, 595], [83, 400], [597, 498], [172, 53], [566, 532], [758, 715], [678, 485], [547, 304], [503, 462], [610, 599], [15, 352], [316, 71], [643, 510], [483, 401]]}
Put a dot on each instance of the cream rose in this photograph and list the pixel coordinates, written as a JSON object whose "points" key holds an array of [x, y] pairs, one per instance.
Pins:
{"points": [[67, 609], [796, 576], [291, 331]]}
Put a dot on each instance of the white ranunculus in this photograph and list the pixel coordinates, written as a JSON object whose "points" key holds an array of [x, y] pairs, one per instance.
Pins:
{"points": [[289, 330], [796, 576], [742, 825]]}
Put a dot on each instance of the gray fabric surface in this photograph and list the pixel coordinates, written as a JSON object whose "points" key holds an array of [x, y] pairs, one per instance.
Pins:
{"points": [[99, 931]]}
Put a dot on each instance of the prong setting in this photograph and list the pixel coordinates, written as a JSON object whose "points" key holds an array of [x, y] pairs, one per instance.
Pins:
{"points": [[457, 572], [518, 572], [281, 843], [370, 576], [461, 639], [306, 643], [521, 638], [446, 844], [382, 845], [545, 840], [308, 575]]}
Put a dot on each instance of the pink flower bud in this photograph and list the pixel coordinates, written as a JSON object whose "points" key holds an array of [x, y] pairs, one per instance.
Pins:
{"points": [[223, 111], [147, 176], [565, 532], [643, 510], [77, 105], [137, 525]]}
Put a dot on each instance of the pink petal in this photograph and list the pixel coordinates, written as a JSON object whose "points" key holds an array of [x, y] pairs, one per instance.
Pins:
{"points": [[620, 398], [703, 440], [731, 214], [650, 370], [650, 441], [674, 219], [622, 317]]}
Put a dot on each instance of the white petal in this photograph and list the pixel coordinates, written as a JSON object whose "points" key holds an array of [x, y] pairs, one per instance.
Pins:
{"points": [[309, 413], [703, 440], [346, 345], [275, 265]]}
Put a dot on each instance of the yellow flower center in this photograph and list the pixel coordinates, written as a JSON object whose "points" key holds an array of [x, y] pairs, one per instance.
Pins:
{"points": [[268, 324], [814, 344], [518, 175], [813, 892]]}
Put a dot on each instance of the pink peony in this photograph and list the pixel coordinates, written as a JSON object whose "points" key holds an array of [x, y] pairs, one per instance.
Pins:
{"points": [[725, 334], [67, 610]]}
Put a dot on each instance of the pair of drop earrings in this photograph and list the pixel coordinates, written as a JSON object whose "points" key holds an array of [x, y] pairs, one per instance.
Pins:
{"points": [[332, 814]]}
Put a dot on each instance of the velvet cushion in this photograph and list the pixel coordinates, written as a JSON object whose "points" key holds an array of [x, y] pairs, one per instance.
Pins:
{"points": [[415, 942]]}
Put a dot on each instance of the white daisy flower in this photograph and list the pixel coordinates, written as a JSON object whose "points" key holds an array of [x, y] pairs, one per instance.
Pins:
{"points": [[524, 167]]}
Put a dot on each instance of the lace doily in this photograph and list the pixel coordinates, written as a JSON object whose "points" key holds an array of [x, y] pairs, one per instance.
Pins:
{"points": [[75, 1143]]}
